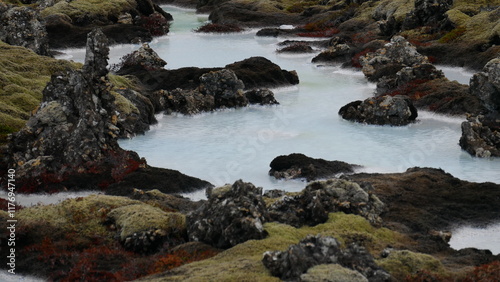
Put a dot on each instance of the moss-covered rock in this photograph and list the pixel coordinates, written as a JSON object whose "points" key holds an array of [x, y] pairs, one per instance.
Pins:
{"points": [[23, 76], [403, 263], [132, 219], [82, 216], [332, 273]]}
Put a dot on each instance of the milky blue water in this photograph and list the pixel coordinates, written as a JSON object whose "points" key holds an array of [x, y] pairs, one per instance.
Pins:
{"points": [[228, 145]]}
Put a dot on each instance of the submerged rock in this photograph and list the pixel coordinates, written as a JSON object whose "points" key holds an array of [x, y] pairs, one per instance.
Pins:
{"points": [[233, 214], [301, 166], [22, 26], [382, 110], [312, 205], [290, 265]]}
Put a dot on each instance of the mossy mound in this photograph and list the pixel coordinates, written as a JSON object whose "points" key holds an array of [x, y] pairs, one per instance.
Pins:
{"points": [[403, 263], [132, 219], [23, 76], [82, 216], [243, 261], [332, 273], [81, 11], [473, 25]]}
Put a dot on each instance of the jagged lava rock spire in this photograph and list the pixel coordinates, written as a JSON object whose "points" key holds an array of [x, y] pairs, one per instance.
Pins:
{"points": [[70, 143]]}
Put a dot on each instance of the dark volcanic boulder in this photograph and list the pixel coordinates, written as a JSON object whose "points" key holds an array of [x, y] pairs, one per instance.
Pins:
{"points": [[382, 110], [312, 205], [289, 265], [302, 166], [428, 13], [296, 48], [225, 88], [481, 136], [233, 214], [137, 118], [21, 26], [145, 57], [261, 97], [261, 72], [486, 85], [71, 141]]}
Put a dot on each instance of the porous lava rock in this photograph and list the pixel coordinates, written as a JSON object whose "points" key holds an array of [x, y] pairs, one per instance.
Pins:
{"points": [[233, 214]]}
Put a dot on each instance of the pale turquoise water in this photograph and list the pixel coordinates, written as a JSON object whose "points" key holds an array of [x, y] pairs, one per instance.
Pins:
{"points": [[227, 145]]}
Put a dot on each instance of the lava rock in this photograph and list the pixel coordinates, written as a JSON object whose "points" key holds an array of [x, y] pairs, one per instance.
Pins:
{"points": [[382, 110], [134, 118], [261, 97], [318, 199], [233, 214], [289, 265], [71, 142], [144, 57], [481, 136], [225, 88], [428, 13], [22, 26], [486, 85], [296, 48], [339, 53], [302, 166]]}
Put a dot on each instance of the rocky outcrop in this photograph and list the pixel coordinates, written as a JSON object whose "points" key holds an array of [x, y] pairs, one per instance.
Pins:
{"points": [[296, 48], [312, 205], [311, 251], [302, 166], [486, 85], [71, 141], [255, 72], [22, 26], [481, 133], [382, 110], [261, 97], [233, 214], [429, 13], [135, 21], [145, 58], [135, 112], [481, 136], [339, 53]]}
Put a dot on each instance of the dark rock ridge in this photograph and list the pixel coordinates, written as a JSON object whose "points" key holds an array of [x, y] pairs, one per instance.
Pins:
{"points": [[302, 166], [233, 214], [382, 110], [149, 178], [481, 133], [424, 201], [22, 26], [312, 205], [289, 265], [193, 90], [255, 72]]}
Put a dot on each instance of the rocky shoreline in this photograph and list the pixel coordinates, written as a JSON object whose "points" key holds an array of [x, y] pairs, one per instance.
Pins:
{"points": [[342, 225]]}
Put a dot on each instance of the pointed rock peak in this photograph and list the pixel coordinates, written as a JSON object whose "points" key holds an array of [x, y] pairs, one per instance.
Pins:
{"points": [[96, 57]]}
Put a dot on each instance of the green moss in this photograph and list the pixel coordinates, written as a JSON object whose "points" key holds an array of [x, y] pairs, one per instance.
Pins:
{"points": [[123, 81], [400, 264], [141, 217], [23, 76], [453, 35], [124, 105], [78, 10], [83, 216], [243, 261], [332, 272]]}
